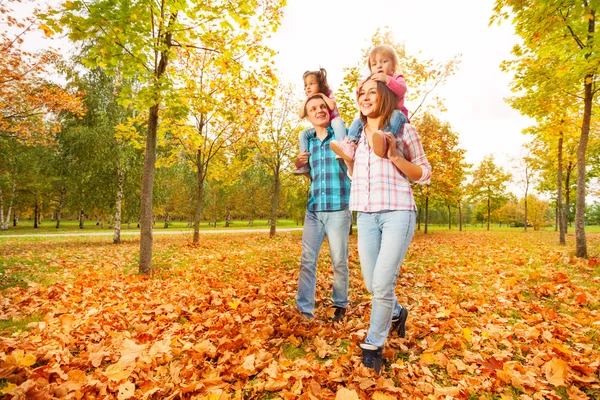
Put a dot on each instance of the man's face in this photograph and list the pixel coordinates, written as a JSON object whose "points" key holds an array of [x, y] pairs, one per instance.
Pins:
{"points": [[318, 113]]}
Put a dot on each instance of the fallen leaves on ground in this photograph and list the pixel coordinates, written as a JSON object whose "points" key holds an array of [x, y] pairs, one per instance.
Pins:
{"points": [[492, 315]]}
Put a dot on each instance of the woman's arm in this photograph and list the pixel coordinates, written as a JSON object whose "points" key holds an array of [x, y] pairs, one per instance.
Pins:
{"points": [[415, 165]]}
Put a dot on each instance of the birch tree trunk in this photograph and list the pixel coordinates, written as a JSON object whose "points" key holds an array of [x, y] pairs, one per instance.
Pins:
{"points": [[200, 197], [275, 202], [118, 205], [63, 191]]}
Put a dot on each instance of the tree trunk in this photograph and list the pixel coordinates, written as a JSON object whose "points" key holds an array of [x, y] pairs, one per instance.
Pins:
{"points": [[35, 215], [580, 242], [150, 161], [4, 225], [146, 215], [559, 198], [63, 191], [167, 217], [525, 221], [274, 202], [426, 230], [460, 216], [556, 218], [15, 219], [418, 220], [488, 212], [81, 217], [567, 197], [118, 202], [449, 218], [227, 217], [198, 213], [2, 212]]}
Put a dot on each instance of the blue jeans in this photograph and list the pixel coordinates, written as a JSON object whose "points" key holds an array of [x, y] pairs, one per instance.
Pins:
{"points": [[339, 130], [383, 238], [336, 226], [397, 121]]}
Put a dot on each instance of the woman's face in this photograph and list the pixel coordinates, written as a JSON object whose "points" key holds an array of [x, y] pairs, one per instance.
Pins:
{"points": [[368, 99]]}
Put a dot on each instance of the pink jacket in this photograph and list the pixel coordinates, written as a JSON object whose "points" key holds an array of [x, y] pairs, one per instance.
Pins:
{"points": [[398, 86]]}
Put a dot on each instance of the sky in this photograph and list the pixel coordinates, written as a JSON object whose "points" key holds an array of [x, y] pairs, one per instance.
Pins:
{"points": [[332, 33]]}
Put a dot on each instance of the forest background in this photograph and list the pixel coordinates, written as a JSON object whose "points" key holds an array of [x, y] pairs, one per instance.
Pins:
{"points": [[162, 116]]}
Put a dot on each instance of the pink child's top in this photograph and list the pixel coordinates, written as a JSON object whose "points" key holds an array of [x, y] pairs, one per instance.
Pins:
{"points": [[335, 112], [398, 86]]}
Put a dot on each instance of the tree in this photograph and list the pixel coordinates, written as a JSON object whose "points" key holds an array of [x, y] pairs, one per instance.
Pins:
{"points": [[440, 143], [539, 212], [525, 175], [276, 143], [29, 102], [560, 45], [488, 184], [141, 39], [422, 76]]}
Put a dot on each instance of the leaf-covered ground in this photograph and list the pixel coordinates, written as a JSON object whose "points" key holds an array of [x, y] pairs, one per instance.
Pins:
{"points": [[497, 315]]}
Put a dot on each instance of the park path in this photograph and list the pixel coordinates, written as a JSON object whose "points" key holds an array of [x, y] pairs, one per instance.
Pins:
{"points": [[174, 232]]}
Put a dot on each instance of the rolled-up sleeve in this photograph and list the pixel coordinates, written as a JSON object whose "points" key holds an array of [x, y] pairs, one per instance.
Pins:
{"points": [[415, 154]]}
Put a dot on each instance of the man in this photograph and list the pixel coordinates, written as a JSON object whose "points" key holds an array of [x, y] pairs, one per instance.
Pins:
{"points": [[327, 213]]}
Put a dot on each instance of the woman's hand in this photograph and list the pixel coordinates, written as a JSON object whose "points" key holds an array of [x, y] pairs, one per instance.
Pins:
{"points": [[392, 150]]}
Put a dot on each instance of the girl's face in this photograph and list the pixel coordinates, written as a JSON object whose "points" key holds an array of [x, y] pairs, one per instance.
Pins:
{"points": [[381, 63], [311, 86], [368, 99]]}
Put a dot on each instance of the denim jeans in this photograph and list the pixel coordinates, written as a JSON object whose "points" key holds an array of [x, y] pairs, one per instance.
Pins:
{"points": [[383, 238], [397, 120], [336, 226], [339, 130]]}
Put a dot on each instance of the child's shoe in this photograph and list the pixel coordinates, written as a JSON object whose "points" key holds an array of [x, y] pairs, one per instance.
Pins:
{"points": [[379, 144], [343, 149], [372, 356]]}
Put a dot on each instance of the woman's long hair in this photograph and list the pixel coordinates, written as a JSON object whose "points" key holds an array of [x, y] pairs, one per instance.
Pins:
{"points": [[387, 101]]}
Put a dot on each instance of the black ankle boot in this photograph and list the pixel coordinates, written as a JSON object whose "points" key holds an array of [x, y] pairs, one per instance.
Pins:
{"points": [[399, 323], [372, 356]]}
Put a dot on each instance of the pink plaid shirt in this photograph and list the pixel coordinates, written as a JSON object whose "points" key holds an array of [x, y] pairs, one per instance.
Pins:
{"points": [[377, 184]]}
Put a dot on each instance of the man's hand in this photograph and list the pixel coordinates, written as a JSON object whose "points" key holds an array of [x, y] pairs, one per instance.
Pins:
{"points": [[302, 159]]}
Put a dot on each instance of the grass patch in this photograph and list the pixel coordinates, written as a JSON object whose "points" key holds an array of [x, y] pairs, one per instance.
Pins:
{"points": [[18, 325], [292, 352]]}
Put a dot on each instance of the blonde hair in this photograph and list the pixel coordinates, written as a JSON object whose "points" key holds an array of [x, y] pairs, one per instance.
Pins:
{"points": [[385, 51]]}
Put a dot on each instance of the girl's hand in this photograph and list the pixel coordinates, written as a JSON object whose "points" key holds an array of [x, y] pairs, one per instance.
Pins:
{"points": [[392, 152], [381, 77]]}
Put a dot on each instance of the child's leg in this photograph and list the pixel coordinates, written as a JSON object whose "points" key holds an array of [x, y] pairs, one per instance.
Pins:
{"points": [[354, 131], [339, 128], [397, 121], [340, 145], [303, 140]]}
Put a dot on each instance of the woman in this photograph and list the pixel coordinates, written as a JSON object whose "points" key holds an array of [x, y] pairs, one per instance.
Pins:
{"points": [[382, 196]]}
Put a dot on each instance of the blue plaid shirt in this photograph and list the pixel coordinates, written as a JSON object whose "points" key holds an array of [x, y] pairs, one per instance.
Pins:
{"points": [[330, 186]]}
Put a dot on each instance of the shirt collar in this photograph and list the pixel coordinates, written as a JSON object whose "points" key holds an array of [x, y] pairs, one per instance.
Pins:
{"points": [[330, 133]]}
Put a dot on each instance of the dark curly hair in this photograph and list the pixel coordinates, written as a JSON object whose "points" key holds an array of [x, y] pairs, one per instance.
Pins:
{"points": [[321, 76]]}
